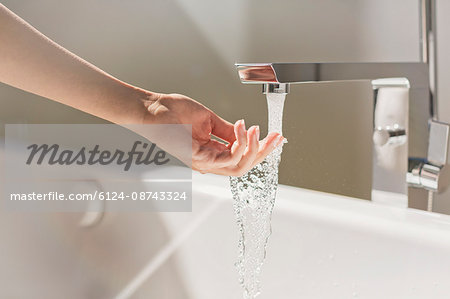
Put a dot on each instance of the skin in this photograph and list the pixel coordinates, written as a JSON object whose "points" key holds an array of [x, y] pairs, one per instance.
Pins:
{"points": [[34, 63]]}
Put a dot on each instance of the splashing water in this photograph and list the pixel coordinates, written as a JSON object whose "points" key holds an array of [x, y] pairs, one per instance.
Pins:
{"points": [[254, 197]]}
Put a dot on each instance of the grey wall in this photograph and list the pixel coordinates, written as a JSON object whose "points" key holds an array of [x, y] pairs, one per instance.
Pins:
{"points": [[190, 46]]}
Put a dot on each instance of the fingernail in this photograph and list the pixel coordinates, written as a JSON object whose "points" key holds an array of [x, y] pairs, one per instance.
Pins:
{"points": [[242, 128], [277, 141], [257, 132], [236, 124], [282, 141]]}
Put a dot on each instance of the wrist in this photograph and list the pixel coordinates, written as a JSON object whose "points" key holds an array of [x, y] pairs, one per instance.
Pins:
{"points": [[133, 105], [145, 100]]}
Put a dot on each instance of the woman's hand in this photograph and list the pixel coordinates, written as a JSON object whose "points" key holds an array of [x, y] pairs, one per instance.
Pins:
{"points": [[243, 151]]}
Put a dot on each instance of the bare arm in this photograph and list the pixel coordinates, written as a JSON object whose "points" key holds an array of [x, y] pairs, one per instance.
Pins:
{"points": [[32, 62]]}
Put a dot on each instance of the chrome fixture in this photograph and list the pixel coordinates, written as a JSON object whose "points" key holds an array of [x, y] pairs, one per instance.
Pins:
{"points": [[395, 135], [432, 173], [427, 139], [276, 88]]}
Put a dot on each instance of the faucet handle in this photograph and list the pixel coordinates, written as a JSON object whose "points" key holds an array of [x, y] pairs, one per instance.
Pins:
{"points": [[438, 144], [394, 135], [433, 173]]}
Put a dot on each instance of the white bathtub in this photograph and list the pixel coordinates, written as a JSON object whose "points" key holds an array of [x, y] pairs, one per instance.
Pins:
{"points": [[322, 246]]}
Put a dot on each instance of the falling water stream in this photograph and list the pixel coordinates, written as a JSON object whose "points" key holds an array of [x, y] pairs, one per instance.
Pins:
{"points": [[254, 198]]}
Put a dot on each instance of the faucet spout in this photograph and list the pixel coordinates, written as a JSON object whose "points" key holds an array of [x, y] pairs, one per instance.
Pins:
{"points": [[257, 73], [283, 88]]}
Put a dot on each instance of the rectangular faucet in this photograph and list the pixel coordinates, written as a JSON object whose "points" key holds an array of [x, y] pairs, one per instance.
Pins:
{"points": [[414, 76]]}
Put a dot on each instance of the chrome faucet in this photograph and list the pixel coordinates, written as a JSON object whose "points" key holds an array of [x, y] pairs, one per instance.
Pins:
{"points": [[427, 139]]}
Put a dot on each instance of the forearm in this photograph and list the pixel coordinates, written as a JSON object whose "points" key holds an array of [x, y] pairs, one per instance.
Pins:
{"points": [[32, 62]]}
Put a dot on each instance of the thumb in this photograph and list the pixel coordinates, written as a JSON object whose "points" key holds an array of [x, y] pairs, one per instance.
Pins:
{"points": [[222, 128]]}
